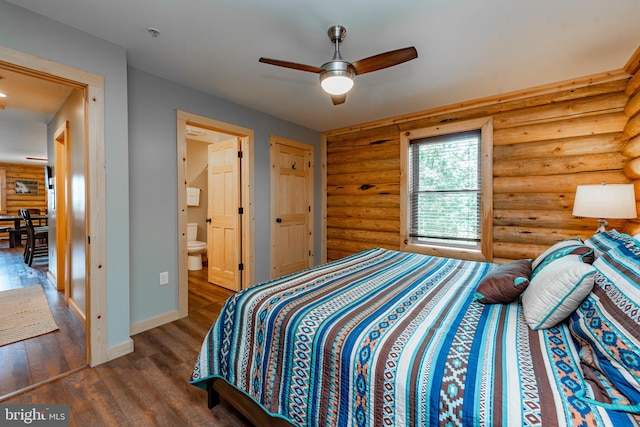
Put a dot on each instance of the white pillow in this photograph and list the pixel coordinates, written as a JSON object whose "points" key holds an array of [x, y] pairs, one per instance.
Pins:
{"points": [[556, 291]]}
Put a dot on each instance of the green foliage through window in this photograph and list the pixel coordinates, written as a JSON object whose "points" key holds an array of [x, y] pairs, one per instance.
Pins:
{"points": [[445, 188]]}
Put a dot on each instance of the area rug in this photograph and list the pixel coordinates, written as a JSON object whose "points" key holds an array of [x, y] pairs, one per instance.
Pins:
{"points": [[24, 314]]}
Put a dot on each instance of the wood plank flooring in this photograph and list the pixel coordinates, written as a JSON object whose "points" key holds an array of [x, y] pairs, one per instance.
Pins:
{"points": [[38, 359], [148, 387]]}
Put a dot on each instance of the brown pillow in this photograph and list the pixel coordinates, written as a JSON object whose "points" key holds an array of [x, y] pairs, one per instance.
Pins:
{"points": [[505, 283]]}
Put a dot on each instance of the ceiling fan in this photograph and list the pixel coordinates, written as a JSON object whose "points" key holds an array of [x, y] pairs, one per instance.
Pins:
{"points": [[337, 75]]}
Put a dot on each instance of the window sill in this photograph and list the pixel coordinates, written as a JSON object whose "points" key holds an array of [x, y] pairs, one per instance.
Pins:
{"points": [[470, 254]]}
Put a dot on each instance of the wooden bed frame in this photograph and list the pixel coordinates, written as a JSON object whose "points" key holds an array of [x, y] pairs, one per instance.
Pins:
{"points": [[253, 412]]}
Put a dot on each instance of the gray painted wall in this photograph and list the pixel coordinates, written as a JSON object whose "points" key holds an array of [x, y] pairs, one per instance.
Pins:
{"points": [[153, 183], [141, 176], [33, 34]]}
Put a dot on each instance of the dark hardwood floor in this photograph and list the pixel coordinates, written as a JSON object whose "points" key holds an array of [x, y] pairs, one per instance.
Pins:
{"points": [[149, 387], [38, 359]]}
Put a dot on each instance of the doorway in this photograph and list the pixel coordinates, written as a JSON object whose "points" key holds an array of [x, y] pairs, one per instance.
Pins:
{"points": [[92, 87], [243, 153]]}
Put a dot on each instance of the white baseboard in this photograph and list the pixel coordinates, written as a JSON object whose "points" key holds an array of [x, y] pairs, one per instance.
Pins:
{"points": [[120, 350], [153, 322], [77, 311]]}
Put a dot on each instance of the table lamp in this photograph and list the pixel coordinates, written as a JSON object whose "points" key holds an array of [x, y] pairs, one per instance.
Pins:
{"points": [[605, 201]]}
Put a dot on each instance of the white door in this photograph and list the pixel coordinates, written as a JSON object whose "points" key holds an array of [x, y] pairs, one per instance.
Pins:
{"points": [[224, 225], [291, 206]]}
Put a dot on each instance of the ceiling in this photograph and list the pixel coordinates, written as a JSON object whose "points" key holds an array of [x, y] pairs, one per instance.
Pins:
{"points": [[30, 104], [467, 49]]}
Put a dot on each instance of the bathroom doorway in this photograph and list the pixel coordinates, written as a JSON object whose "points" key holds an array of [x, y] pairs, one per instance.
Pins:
{"points": [[218, 199]]}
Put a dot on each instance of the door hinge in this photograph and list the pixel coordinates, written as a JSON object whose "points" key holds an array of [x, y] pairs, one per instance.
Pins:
{"points": [[241, 266], [88, 240], [240, 210], [239, 154]]}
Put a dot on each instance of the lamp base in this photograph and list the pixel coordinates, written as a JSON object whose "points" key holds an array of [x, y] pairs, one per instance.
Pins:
{"points": [[602, 225]]}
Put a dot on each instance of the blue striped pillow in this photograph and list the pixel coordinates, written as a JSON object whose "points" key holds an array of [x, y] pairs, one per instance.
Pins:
{"points": [[607, 326], [607, 240]]}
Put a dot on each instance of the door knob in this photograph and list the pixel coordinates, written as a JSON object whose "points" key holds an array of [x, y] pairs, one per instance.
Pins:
{"points": [[278, 219], [208, 220]]}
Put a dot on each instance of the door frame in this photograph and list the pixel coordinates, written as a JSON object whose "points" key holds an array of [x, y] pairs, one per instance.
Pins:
{"points": [[61, 167], [92, 86], [183, 119], [273, 140]]}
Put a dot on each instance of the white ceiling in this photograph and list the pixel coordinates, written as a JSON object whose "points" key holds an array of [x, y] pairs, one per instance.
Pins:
{"points": [[30, 104], [467, 48]]}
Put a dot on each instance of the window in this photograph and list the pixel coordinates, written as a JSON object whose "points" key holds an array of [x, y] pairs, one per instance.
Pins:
{"points": [[447, 190]]}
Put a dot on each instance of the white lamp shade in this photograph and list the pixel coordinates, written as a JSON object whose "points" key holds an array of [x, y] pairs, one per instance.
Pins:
{"points": [[605, 201]]}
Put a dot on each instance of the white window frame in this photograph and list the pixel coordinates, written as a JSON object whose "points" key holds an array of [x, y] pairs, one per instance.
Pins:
{"points": [[485, 250]]}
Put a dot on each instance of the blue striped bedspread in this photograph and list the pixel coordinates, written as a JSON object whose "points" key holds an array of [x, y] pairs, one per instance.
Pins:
{"points": [[387, 338]]}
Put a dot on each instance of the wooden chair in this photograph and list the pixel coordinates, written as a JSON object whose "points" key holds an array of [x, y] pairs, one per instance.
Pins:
{"points": [[37, 239]]}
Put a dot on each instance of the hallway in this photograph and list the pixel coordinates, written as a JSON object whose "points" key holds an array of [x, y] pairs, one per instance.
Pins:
{"points": [[48, 356]]}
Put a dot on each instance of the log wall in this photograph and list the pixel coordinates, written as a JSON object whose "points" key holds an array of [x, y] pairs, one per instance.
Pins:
{"points": [[632, 132], [547, 140], [15, 201]]}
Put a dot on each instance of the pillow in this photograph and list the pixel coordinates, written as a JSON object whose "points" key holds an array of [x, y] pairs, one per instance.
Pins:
{"points": [[504, 283], [557, 291], [606, 325], [605, 241], [563, 248]]}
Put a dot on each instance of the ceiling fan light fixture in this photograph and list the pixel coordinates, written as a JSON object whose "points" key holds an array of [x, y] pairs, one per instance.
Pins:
{"points": [[336, 82]]}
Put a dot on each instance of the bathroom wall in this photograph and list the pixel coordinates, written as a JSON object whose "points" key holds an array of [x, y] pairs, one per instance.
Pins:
{"points": [[197, 177]]}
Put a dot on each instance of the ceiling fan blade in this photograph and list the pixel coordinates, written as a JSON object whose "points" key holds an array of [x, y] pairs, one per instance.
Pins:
{"points": [[338, 99], [385, 60], [293, 65]]}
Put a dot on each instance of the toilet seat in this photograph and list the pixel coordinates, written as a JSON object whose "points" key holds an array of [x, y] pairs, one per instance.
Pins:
{"points": [[196, 245]]}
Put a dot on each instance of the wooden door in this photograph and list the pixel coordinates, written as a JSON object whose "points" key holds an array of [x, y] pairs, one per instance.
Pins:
{"points": [[60, 209], [224, 225], [291, 206]]}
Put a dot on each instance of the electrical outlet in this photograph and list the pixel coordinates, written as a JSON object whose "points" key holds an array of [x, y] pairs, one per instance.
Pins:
{"points": [[164, 277]]}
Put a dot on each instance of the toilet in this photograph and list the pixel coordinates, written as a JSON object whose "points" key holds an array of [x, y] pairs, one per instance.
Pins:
{"points": [[195, 248]]}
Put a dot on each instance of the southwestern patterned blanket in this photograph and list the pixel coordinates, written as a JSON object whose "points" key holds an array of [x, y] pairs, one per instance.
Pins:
{"points": [[386, 338]]}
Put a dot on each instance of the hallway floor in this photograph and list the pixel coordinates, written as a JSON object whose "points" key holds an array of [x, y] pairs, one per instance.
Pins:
{"points": [[48, 356]]}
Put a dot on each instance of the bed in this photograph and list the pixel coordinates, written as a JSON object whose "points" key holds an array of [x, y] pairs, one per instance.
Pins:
{"points": [[388, 338]]}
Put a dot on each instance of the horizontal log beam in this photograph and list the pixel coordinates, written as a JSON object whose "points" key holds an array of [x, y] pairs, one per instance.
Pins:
{"points": [[363, 189], [577, 146], [632, 128], [633, 105], [592, 125], [369, 212], [534, 201], [560, 165], [388, 176], [380, 201], [632, 147], [377, 238], [555, 183], [364, 166], [596, 105], [364, 154], [365, 224], [632, 169], [632, 85], [535, 235]]}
